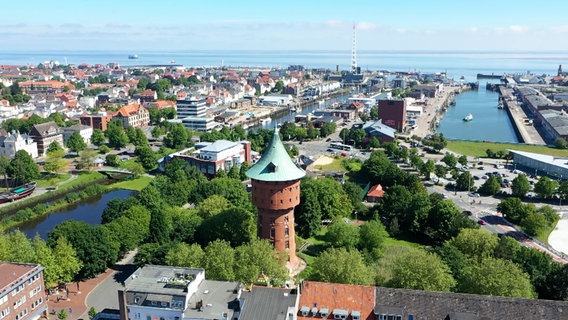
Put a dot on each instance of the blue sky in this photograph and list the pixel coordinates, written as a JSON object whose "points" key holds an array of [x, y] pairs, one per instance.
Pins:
{"points": [[283, 25]]}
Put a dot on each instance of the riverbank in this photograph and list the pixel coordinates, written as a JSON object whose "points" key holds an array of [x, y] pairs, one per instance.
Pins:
{"points": [[433, 110], [41, 204]]}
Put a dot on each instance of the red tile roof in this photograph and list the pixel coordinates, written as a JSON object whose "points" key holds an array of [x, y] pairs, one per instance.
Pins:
{"points": [[337, 296], [128, 110], [376, 191]]}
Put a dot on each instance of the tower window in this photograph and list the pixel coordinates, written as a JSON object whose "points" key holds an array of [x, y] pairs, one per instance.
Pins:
{"points": [[287, 244], [272, 232], [286, 231]]}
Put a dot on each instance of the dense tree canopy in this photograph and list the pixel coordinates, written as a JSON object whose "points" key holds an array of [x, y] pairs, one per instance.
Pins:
{"points": [[22, 168], [342, 266], [420, 270]]}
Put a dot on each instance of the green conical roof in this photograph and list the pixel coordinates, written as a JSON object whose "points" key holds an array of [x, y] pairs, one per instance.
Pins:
{"points": [[275, 164]]}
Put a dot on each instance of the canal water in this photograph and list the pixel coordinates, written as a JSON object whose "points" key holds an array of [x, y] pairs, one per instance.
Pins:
{"points": [[489, 123], [89, 211]]}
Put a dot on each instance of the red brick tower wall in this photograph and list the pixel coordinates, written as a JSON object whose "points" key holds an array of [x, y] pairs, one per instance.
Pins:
{"points": [[275, 201]]}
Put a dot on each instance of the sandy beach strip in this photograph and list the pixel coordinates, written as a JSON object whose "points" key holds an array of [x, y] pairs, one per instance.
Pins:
{"points": [[558, 238]]}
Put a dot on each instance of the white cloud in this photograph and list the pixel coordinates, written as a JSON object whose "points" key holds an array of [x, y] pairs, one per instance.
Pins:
{"points": [[561, 29], [474, 29], [366, 26], [518, 28], [400, 30], [334, 23]]}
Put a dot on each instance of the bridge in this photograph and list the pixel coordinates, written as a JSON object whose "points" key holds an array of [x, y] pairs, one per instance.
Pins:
{"points": [[109, 172]]}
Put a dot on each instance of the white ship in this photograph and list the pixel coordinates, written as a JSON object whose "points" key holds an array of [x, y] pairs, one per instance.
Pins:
{"points": [[468, 118]]}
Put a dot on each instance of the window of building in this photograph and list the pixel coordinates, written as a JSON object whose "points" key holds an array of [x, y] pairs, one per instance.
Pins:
{"points": [[4, 313], [272, 232], [390, 317], [287, 244], [4, 299], [286, 231]]}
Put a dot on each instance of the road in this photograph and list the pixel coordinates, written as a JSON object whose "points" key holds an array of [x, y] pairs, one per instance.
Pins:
{"points": [[105, 294]]}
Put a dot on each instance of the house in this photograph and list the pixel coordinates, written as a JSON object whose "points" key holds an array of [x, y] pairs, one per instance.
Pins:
{"points": [[44, 134], [52, 86], [263, 303], [148, 96], [175, 293], [14, 141], [375, 193], [133, 115], [336, 301], [22, 293], [379, 130], [85, 131], [96, 121]]}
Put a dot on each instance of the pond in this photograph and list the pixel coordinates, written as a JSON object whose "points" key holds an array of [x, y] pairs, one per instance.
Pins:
{"points": [[89, 211]]}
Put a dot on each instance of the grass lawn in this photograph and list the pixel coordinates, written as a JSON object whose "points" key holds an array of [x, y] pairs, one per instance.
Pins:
{"points": [[50, 180], [543, 236], [81, 179], [133, 184], [477, 149], [335, 166], [391, 242]]}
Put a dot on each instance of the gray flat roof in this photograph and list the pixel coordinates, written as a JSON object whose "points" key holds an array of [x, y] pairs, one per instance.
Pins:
{"points": [[268, 303], [215, 297], [159, 279]]}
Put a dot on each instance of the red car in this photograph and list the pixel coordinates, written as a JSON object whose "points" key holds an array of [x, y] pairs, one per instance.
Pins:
{"points": [[482, 222]]}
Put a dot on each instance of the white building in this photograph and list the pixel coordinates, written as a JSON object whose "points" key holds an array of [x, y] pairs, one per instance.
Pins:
{"points": [[199, 124], [191, 107], [14, 142], [85, 131], [171, 293], [276, 100]]}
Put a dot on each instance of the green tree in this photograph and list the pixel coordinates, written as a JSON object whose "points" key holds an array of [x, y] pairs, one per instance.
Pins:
{"points": [[490, 187], [185, 255], [520, 186], [511, 208], [76, 143], [112, 160], [561, 143], [117, 138], [259, 257], [87, 158], [419, 270], [320, 199], [372, 237], [66, 259], [212, 206], [342, 235], [235, 225], [339, 265], [475, 243], [93, 245], [54, 161], [22, 168], [92, 312], [462, 160], [54, 146], [4, 164], [44, 256], [427, 168], [496, 277], [98, 137], [464, 182], [450, 160], [242, 171], [533, 224], [220, 261], [146, 157], [545, 187], [62, 314], [177, 137]]}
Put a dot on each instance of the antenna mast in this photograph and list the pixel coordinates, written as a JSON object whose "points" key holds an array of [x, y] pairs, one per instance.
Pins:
{"points": [[354, 52]]}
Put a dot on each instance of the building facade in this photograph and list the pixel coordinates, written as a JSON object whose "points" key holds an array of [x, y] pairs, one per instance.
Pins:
{"points": [[133, 115], [22, 295], [191, 107], [199, 124], [85, 131], [96, 121], [275, 183], [45, 134], [14, 142], [393, 113], [175, 293], [210, 158]]}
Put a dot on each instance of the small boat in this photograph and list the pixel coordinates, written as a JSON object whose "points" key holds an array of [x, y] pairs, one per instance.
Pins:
{"points": [[500, 105], [133, 56], [265, 121], [468, 118], [18, 192], [172, 61], [293, 109]]}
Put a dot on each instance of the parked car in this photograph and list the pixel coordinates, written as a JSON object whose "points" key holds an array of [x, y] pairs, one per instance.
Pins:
{"points": [[482, 222], [476, 177]]}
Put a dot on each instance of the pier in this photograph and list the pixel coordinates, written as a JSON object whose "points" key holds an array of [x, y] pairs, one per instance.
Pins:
{"points": [[488, 76], [526, 132]]}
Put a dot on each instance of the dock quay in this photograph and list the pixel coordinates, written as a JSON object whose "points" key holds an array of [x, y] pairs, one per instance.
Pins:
{"points": [[524, 128], [488, 76]]}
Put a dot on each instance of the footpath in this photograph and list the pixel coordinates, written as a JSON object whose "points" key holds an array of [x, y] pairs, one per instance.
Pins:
{"points": [[73, 297]]}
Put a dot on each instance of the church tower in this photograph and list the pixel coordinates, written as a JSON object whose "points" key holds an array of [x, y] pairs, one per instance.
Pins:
{"points": [[275, 183]]}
